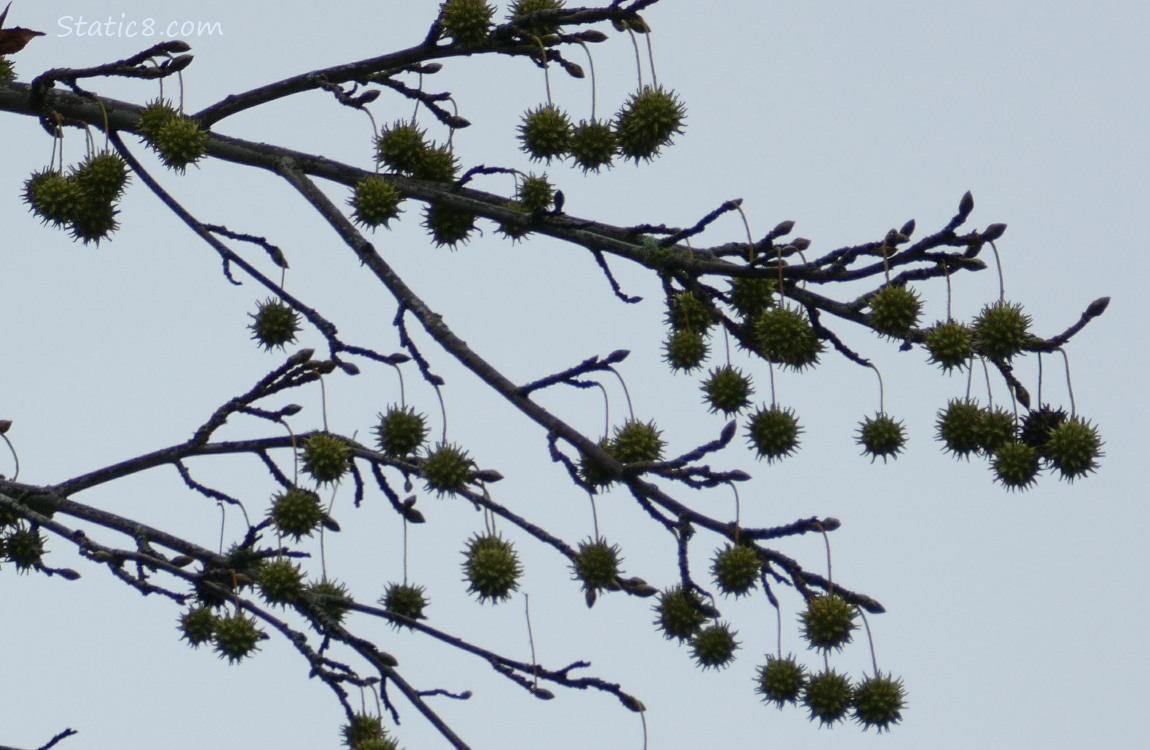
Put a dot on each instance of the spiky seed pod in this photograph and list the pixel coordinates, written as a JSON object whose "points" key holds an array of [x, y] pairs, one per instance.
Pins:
{"points": [[637, 441], [781, 680], [325, 457], [727, 389], [52, 196], [593, 145], [515, 230], [401, 431], [881, 436], [679, 614], [751, 296], [828, 696], [362, 730], [736, 569], [649, 120], [198, 625], [93, 220], [180, 141], [153, 116], [274, 324], [596, 565], [24, 548], [894, 311], [685, 350], [383, 743], [535, 194], [280, 582], [996, 427], [1037, 424], [714, 646], [1074, 447], [959, 427], [878, 702], [296, 513], [449, 226], [327, 597], [774, 432], [1015, 465], [243, 561], [1001, 331], [685, 311], [374, 202], [519, 10], [406, 600], [784, 335], [545, 132], [236, 637], [592, 472], [828, 622], [7, 72], [951, 345], [438, 163], [402, 147], [446, 469], [468, 22], [491, 567], [102, 176]]}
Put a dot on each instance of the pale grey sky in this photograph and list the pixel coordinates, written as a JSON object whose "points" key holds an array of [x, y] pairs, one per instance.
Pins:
{"points": [[1016, 620]]}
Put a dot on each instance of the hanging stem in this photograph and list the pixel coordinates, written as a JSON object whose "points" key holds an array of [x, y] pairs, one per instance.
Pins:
{"points": [[626, 393], [531, 639], [15, 458], [591, 65], [1001, 278], [1069, 386], [881, 392], [638, 58], [870, 640]]}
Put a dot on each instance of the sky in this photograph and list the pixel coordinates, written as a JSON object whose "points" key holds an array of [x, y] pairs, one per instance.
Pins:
{"points": [[1015, 619]]}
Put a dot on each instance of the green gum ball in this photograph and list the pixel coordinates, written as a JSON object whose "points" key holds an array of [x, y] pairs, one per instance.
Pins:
{"points": [[274, 324], [280, 582], [784, 335], [491, 568], [878, 702], [1074, 447], [545, 133], [951, 345], [375, 202], [714, 646], [327, 597], [447, 469], [198, 625], [828, 696], [1015, 465], [448, 226], [592, 145], [894, 311], [685, 350], [296, 513], [596, 565], [648, 121], [402, 147], [959, 427], [325, 457], [736, 569], [881, 436], [636, 442], [236, 637], [828, 622], [781, 680], [679, 614], [727, 390], [401, 431], [1001, 331], [774, 432], [406, 600], [468, 22]]}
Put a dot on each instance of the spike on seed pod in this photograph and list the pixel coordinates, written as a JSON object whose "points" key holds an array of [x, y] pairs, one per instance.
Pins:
{"points": [[296, 512], [179, 141], [24, 548], [401, 431], [774, 432], [52, 196], [959, 427], [781, 680], [449, 226], [536, 194], [325, 457]]}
